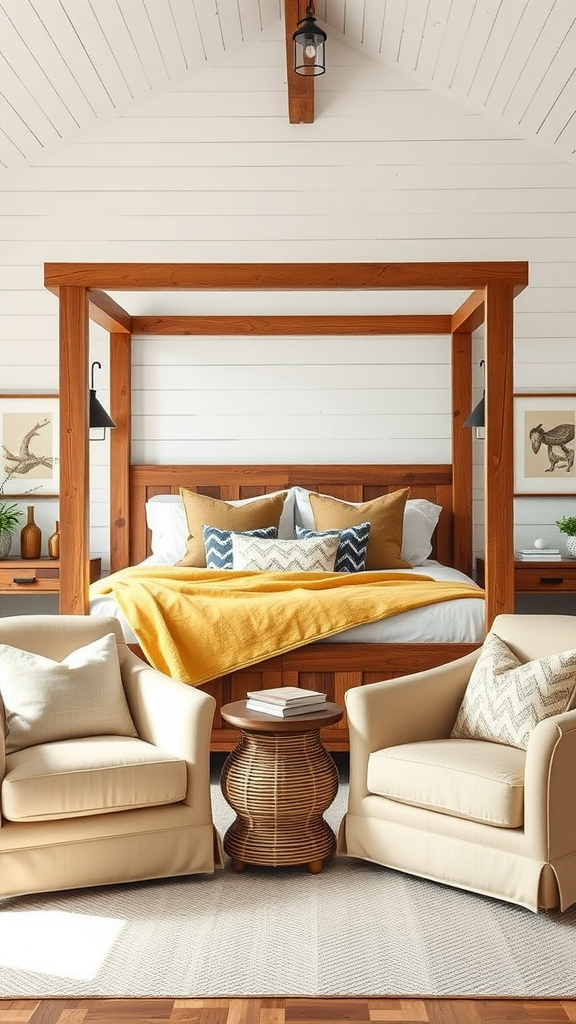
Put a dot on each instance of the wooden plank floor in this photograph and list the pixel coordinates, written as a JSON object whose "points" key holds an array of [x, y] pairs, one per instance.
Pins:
{"points": [[286, 1011]]}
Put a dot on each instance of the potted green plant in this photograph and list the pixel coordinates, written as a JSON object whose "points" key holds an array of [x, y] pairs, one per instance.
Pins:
{"points": [[567, 525], [9, 517]]}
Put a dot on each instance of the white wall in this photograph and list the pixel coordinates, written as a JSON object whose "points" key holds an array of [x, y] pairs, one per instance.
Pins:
{"points": [[213, 171]]}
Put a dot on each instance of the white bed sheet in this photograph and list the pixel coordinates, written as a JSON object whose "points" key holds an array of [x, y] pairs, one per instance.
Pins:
{"points": [[460, 621]]}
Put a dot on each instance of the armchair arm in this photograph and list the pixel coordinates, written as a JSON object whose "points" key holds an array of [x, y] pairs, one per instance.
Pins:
{"points": [[2, 744], [421, 706], [175, 717], [549, 819]]}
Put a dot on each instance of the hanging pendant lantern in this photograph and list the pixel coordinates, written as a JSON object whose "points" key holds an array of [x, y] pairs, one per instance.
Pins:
{"points": [[309, 40], [99, 418]]}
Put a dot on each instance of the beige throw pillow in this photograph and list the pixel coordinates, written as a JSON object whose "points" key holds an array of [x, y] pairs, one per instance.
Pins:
{"points": [[386, 518], [202, 510], [313, 554], [47, 700], [505, 698]]}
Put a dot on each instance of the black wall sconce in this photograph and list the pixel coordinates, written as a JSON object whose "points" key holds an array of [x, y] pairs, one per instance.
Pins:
{"points": [[477, 417], [99, 418], [309, 40]]}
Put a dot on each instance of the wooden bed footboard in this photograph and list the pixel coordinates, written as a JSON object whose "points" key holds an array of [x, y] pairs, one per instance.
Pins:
{"points": [[333, 669]]}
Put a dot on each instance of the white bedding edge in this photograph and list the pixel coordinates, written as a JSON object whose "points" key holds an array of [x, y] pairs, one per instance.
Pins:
{"points": [[460, 621]]}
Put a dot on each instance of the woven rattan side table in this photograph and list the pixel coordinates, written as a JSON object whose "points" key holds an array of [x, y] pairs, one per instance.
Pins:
{"points": [[279, 779]]}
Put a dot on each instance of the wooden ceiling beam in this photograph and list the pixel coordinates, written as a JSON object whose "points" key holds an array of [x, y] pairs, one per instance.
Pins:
{"points": [[300, 87]]}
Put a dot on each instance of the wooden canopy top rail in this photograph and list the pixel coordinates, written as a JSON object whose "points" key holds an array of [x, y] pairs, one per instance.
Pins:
{"points": [[82, 290]]}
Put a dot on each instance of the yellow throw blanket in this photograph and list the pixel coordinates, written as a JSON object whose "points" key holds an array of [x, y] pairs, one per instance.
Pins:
{"points": [[197, 624]]}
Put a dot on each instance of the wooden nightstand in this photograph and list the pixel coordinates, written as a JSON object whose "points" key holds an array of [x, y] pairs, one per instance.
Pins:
{"points": [[37, 575], [558, 577]]}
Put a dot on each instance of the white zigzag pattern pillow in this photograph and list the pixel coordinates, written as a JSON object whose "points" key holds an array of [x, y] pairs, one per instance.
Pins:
{"points": [[352, 545], [505, 698], [314, 554]]}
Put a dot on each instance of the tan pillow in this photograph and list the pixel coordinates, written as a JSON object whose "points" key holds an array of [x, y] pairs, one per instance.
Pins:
{"points": [[201, 510], [49, 700], [386, 516]]}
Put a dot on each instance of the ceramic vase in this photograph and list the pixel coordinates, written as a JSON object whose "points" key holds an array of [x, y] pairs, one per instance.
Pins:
{"points": [[54, 542], [30, 537], [5, 543], [571, 545]]}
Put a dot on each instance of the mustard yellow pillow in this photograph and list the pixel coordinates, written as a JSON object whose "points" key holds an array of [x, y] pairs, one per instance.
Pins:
{"points": [[386, 516], [201, 510]]}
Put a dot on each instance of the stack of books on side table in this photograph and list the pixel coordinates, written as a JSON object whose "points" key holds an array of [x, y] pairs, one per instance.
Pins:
{"points": [[539, 555], [284, 701]]}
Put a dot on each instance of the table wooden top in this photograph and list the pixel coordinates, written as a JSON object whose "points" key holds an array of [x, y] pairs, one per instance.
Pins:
{"points": [[238, 715]]}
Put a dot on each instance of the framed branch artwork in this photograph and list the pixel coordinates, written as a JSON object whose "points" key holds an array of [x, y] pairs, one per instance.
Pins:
{"points": [[29, 436], [544, 446]]}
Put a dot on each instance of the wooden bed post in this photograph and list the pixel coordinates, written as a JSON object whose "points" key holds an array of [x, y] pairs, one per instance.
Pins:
{"points": [[499, 452], [120, 449], [462, 451], [468, 318], [74, 454]]}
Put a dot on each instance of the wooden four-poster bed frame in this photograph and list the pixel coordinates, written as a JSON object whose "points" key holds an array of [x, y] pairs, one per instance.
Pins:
{"points": [[83, 293]]}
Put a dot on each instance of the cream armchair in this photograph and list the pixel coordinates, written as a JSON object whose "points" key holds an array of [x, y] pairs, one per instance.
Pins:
{"points": [[483, 816], [98, 809]]}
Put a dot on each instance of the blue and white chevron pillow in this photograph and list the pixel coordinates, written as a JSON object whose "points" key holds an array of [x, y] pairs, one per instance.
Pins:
{"points": [[353, 543], [218, 544]]}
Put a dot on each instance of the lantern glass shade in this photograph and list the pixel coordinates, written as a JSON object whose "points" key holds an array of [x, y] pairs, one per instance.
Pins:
{"points": [[309, 40]]}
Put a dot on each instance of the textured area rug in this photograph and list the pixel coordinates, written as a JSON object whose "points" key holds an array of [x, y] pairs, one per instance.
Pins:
{"points": [[354, 930]]}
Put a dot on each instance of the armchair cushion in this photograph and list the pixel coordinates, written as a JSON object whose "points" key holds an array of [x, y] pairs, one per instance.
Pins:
{"points": [[470, 779], [505, 698], [48, 700], [89, 776]]}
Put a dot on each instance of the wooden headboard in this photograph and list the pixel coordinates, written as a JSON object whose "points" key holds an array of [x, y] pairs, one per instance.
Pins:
{"points": [[349, 482]]}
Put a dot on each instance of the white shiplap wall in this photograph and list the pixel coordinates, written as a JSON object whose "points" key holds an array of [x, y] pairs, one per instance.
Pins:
{"points": [[213, 171]]}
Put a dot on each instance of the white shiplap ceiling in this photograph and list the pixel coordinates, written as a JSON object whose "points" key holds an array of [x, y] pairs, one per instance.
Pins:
{"points": [[65, 64]]}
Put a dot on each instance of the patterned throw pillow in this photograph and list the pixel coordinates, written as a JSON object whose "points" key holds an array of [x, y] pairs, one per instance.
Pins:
{"points": [[505, 698], [218, 544], [314, 554], [352, 544]]}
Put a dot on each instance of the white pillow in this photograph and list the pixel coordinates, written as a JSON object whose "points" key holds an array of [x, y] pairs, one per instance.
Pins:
{"points": [[166, 519], [312, 554], [47, 700], [420, 520]]}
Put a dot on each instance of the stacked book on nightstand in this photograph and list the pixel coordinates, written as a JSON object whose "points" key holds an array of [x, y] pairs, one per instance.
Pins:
{"points": [[284, 701], [539, 555]]}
